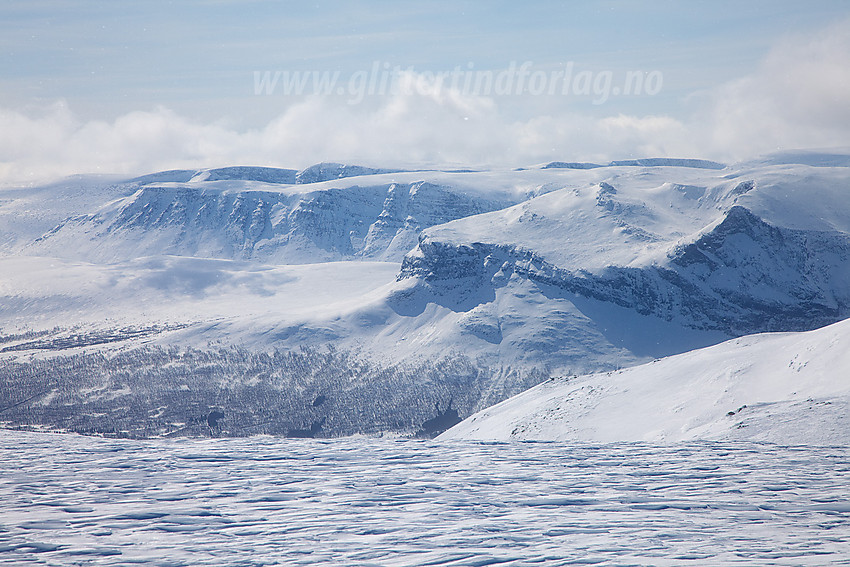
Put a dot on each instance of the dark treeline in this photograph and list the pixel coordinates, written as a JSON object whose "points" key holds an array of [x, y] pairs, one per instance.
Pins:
{"points": [[155, 391]]}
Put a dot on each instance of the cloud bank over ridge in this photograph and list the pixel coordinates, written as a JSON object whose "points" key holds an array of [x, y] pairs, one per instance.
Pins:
{"points": [[797, 97]]}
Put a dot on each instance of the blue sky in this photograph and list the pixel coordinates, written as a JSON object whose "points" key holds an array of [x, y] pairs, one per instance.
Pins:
{"points": [[194, 61]]}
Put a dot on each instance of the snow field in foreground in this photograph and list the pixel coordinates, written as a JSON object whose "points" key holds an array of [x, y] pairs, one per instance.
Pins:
{"points": [[68, 500]]}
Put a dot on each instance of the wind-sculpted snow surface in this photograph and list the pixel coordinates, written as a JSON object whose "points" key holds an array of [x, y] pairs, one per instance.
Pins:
{"points": [[70, 500], [787, 388]]}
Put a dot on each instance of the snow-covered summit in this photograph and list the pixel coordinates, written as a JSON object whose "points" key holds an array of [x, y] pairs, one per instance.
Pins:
{"points": [[330, 171], [313, 174]]}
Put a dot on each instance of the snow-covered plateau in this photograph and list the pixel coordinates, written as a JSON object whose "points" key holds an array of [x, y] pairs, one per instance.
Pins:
{"points": [[342, 299]]}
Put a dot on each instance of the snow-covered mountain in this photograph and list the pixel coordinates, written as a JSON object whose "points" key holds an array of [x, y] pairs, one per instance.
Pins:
{"points": [[213, 216], [760, 251], [784, 388], [561, 269], [643, 263]]}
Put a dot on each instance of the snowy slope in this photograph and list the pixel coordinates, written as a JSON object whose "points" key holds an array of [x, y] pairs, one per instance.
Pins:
{"points": [[28, 212], [787, 388], [330, 171]]}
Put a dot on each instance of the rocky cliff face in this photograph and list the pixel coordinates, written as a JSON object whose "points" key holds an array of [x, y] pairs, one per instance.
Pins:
{"points": [[204, 219], [410, 208], [196, 221]]}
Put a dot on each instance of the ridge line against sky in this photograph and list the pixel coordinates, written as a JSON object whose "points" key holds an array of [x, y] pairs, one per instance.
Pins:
{"points": [[126, 88]]}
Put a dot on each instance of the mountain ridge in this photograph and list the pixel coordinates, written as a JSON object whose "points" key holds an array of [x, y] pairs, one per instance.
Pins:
{"points": [[522, 274]]}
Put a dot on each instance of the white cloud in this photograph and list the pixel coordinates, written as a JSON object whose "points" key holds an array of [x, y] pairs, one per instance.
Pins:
{"points": [[796, 98], [54, 143], [402, 130]]}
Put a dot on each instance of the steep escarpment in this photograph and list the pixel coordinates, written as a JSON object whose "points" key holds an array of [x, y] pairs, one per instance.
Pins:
{"points": [[409, 208], [207, 222], [257, 221], [741, 276]]}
